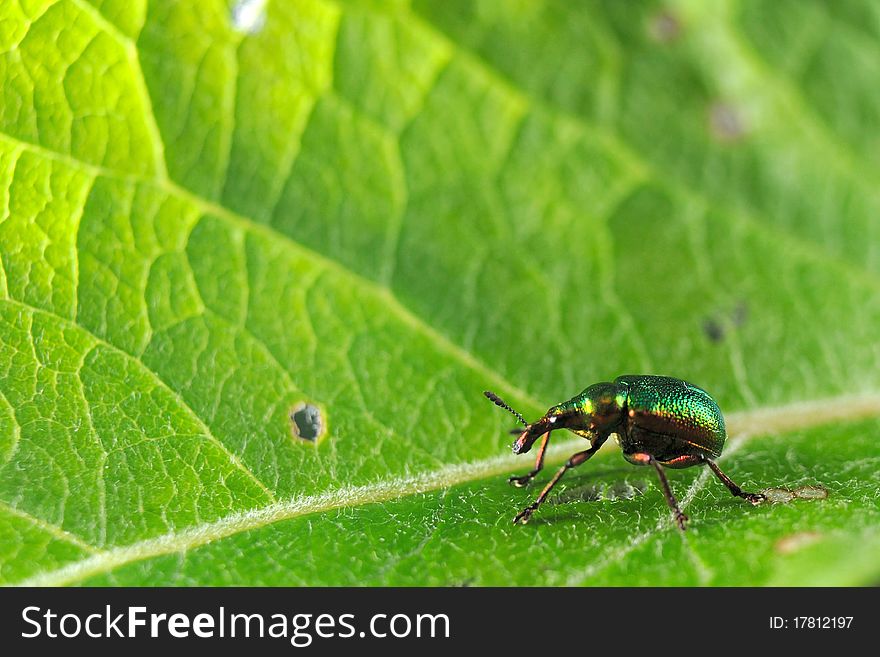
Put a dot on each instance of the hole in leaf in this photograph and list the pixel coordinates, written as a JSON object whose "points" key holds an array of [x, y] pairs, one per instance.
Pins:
{"points": [[307, 422]]}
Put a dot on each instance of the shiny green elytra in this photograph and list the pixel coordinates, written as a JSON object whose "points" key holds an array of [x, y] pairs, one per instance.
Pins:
{"points": [[658, 420]]}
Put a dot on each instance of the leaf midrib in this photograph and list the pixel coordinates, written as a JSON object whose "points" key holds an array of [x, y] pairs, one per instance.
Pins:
{"points": [[742, 425]]}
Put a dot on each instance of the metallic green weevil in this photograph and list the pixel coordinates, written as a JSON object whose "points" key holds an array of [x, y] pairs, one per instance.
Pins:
{"points": [[658, 421]]}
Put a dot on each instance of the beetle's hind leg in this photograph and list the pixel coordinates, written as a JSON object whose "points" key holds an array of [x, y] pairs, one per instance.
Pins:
{"points": [[754, 498], [525, 479], [680, 518]]}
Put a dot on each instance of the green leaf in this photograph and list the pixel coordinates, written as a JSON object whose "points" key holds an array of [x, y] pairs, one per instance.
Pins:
{"points": [[214, 213]]}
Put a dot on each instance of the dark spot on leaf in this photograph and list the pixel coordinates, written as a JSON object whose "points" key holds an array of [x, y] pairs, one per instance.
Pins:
{"points": [[740, 314], [785, 495], [721, 321], [726, 122], [307, 422], [794, 542], [713, 329], [664, 27]]}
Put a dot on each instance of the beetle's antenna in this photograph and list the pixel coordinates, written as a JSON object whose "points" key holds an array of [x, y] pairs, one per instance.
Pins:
{"points": [[495, 399]]}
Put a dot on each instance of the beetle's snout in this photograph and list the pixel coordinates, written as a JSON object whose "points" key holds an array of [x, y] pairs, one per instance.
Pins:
{"points": [[532, 432], [522, 444]]}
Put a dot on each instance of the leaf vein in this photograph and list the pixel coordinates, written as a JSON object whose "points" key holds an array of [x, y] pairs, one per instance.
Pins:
{"points": [[56, 531], [174, 394]]}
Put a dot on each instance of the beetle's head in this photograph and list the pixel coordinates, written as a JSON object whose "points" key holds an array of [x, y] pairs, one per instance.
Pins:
{"points": [[598, 409], [595, 409]]}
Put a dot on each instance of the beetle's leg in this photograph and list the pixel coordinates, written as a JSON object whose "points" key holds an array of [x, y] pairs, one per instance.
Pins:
{"points": [[680, 517], [519, 482], [754, 498], [575, 460]]}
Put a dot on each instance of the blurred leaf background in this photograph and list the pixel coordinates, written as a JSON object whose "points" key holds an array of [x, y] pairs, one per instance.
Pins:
{"points": [[213, 212]]}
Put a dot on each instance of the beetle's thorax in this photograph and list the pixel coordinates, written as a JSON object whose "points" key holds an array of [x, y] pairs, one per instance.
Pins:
{"points": [[600, 408]]}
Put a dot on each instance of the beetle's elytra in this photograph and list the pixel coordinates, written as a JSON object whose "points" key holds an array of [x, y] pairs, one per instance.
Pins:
{"points": [[658, 420]]}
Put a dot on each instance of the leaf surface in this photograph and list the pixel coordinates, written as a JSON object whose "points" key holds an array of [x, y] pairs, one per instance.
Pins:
{"points": [[214, 213]]}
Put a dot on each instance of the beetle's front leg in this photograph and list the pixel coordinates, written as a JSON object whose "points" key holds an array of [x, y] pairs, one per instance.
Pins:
{"points": [[525, 479], [575, 460]]}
